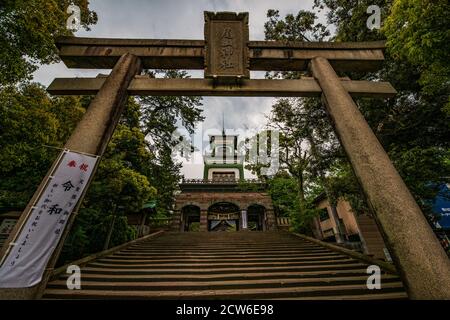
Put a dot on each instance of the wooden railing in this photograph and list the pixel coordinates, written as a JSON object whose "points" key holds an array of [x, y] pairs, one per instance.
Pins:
{"points": [[283, 222]]}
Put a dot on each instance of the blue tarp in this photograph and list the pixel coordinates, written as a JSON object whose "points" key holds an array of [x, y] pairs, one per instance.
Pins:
{"points": [[441, 206]]}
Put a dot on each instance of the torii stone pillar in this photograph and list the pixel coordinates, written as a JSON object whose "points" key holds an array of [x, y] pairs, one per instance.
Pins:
{"points": [[425, 275], [91, 136]]}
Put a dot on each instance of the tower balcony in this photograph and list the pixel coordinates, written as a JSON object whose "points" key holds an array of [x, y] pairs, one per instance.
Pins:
{"points": [[222, 185], [223, 159]]}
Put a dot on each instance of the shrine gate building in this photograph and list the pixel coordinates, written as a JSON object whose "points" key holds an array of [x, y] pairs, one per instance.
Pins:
{"points": [[223, 200]]}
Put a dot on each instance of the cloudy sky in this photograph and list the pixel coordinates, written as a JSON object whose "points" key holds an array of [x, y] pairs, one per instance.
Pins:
{"points": [[183, 19]]}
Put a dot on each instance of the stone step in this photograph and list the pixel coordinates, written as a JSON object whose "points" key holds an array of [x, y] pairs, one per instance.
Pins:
{"points": [[267, 251], [223, 247], [229, 250], [213, 256], [246, 293], [188, 272], [240, 265], [211, 265], [375, 296], [216, 285], [221, 277], [189, 259]]}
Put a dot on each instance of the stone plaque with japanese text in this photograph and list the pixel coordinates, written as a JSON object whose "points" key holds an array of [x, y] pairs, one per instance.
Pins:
{"points": [[226, 50]]}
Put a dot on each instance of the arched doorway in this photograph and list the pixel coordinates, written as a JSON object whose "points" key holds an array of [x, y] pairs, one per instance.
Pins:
{"points": [[190, 218], [256, 217], [223, 216]]}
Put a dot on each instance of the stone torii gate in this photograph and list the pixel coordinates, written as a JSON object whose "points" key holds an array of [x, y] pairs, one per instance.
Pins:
{"points": [[227, 56]]}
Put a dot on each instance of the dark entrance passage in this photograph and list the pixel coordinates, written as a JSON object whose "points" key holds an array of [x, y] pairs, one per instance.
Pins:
{"points": [[256, 218], [223, 216], [191, 218]]}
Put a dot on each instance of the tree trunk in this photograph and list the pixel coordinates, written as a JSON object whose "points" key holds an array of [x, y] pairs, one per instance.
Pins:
{"points": [[301, 191], [110, 231]]}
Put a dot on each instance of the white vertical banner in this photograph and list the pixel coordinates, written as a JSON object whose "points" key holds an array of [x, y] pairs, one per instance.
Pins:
{"points": [[30, 252], [244, 219]]}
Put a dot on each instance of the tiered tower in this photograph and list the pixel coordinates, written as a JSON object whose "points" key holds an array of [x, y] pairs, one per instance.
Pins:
{"points": [[223, 163]]}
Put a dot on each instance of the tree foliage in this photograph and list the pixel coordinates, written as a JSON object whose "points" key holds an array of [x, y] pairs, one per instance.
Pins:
{"points": [[412, 127], [283, 189], [349, 18], [160, 117], [299, 27], [33, 128], [300, 121], [419, 32], [121, 186], [137, 166], [28, 29], [32, 125]]}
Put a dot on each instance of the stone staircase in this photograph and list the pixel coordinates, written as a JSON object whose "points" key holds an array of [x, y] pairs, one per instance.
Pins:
{"points": [[238, 265]]}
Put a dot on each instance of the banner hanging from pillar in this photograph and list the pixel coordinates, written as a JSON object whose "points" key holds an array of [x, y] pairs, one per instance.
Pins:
{"points": [[30, 252], [244, 219]]}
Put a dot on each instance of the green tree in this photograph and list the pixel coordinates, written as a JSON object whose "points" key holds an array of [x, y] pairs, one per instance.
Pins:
{"points": [[302, 122], [28, 29], [283, 189], [32, 128], [349, 18], [160, 118], [413, 125], [161, 115], [293, 152], [418, 31], [299, 27], [165, 177], [121, 186]]}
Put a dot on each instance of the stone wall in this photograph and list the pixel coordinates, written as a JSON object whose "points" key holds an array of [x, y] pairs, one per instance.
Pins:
{"points": [[204, 200]]}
